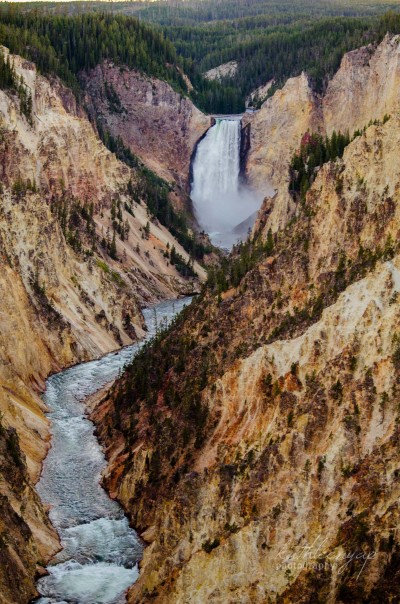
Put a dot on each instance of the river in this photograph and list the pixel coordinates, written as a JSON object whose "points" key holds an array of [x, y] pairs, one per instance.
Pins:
{"points": [[100, 554]]}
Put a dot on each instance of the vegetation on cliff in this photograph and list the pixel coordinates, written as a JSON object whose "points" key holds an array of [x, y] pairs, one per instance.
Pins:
{"points": [[154, 191], [159, 366], [244, 257], [314, 151], [9, 80], [275, 52], [65, 46]]}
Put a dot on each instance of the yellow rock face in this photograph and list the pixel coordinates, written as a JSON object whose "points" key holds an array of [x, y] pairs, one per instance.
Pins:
{"points": [[59, 307], [365, 88]]}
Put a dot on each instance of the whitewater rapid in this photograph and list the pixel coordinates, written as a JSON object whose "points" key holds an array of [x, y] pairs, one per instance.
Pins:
{"points": [[100, 554], [225, 207]]}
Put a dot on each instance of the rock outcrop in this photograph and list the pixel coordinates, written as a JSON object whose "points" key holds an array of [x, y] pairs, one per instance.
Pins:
{"points": [[263, 466], [65, 295], [226, 70], [259, 94]]}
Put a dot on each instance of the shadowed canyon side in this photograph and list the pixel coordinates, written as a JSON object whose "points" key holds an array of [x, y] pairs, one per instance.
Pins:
{"points": [[158, 124], [272, 423], [70, 289]]}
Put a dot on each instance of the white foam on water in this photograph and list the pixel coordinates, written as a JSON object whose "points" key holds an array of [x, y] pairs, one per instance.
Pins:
{"points": [[87, 584]]}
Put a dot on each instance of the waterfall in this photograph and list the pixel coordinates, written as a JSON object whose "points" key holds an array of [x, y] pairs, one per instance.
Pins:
{"points": [[221, 203], [217, 164]]}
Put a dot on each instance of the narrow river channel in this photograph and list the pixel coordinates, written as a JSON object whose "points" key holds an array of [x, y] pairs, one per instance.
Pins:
{"points": [[100, 554]]}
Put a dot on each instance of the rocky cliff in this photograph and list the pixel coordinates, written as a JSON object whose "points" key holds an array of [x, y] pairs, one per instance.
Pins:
{"points": [[275, 134], [260, 460], [158, 124], [70, 291], [365, 88]]}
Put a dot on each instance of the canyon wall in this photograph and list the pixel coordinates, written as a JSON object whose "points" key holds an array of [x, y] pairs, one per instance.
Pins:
{"points": [[260, 462], [275, 134], [65, 297], [365, 88], [158, 124]]}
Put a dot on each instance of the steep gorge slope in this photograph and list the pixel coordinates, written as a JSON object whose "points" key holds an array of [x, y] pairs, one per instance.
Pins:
{"points": [[365, 88], [260, 459], [157, 123], [66, 295]]}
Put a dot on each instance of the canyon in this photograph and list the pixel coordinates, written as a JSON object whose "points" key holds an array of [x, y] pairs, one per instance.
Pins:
{"points": [[265, 423], [259, 460]]}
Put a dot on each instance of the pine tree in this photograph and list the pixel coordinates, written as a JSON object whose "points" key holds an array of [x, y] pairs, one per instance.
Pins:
{"points": [[113, 247]]}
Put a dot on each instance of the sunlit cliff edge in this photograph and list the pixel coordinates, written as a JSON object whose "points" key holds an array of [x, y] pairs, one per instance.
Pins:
{"points": [[366, 87]]}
